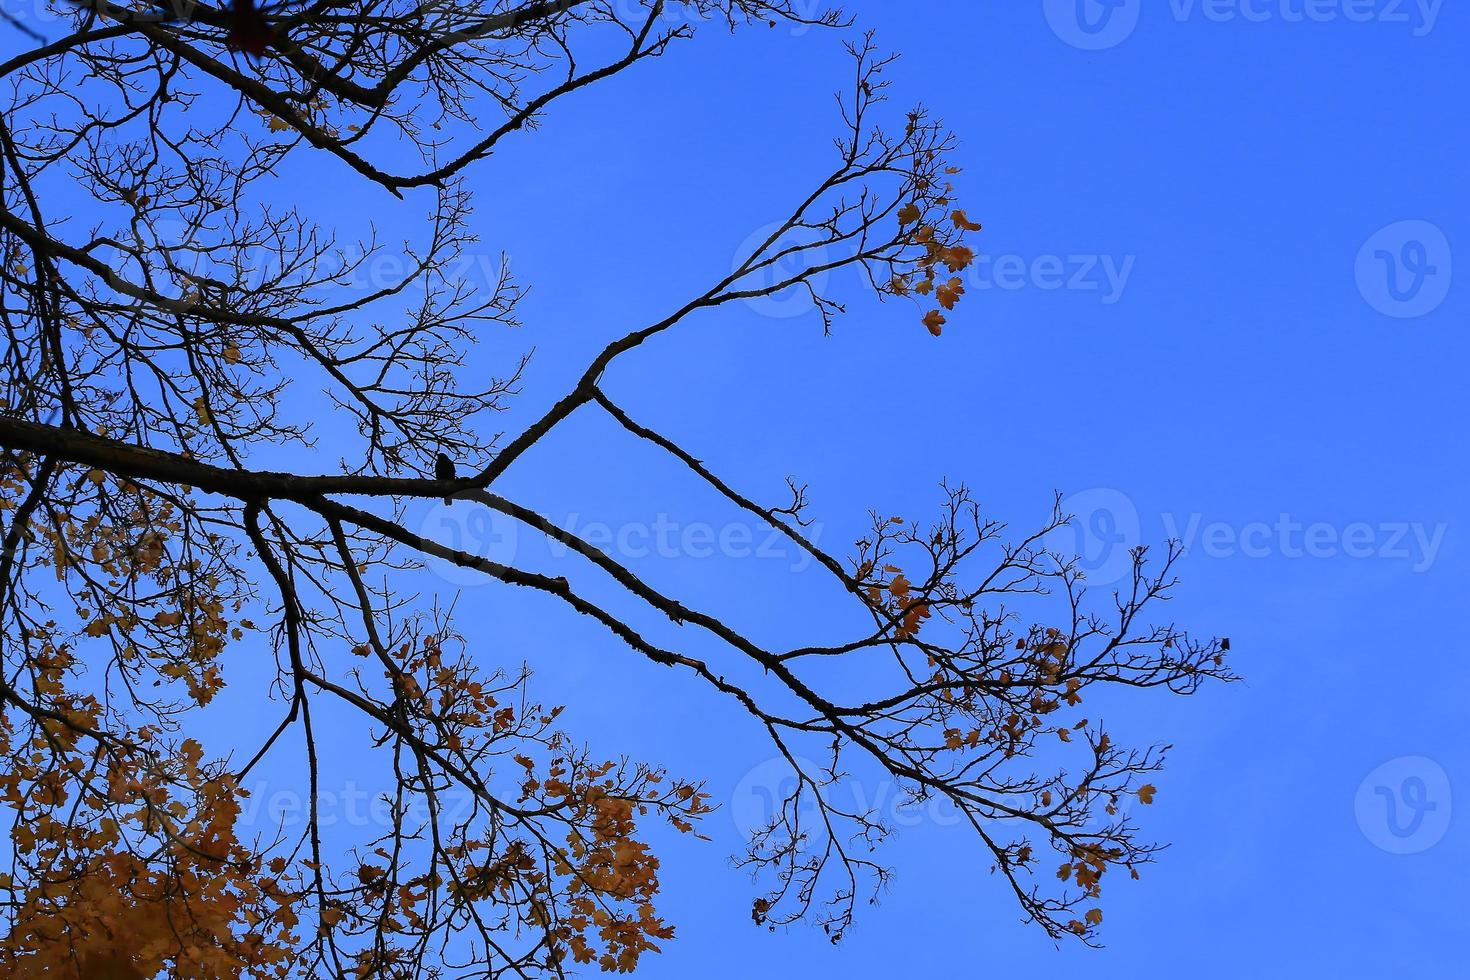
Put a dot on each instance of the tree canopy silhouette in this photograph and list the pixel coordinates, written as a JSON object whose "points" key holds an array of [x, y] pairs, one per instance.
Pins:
{"points": [[169, 326]]}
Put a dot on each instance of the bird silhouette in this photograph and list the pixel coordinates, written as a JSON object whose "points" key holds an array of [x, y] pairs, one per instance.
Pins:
{"points": [[444, 470], [249, 32]]}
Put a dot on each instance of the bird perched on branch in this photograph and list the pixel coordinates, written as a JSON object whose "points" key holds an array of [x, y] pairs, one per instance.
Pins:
{"points": [[249, 32], [444, 470]]}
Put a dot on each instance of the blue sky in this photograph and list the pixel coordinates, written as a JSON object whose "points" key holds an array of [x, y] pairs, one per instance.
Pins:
{"points": [[1240, 373], [1184, 320]]}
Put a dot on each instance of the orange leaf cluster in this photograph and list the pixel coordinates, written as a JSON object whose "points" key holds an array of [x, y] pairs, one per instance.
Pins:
{"points": [[940, 237], [139, 876]]}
